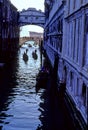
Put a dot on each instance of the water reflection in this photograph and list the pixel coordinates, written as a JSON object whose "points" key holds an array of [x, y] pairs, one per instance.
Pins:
{"points": [[21, 106], [19, 102]]}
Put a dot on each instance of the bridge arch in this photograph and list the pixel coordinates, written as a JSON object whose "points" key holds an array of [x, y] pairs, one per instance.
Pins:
{"points": [[26, 29], [31, 16]]}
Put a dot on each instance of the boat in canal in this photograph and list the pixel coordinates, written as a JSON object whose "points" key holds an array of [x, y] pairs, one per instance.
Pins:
{"points": [[42, 78], [34, 55], [29, 45], [25, 57]]}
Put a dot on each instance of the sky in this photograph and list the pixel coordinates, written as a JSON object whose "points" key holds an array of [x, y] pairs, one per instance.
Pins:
{"points": [[25, 4]]}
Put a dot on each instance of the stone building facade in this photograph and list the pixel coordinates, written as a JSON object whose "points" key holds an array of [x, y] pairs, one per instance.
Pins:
{"points": [[9, 30], [66, 35]]}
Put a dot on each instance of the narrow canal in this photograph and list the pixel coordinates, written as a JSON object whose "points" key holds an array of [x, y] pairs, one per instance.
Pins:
{"points": [[21, 108]]}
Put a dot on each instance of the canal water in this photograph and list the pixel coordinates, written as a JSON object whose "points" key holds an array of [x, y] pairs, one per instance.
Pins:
{"points": [[21, 108], [19, 102]]}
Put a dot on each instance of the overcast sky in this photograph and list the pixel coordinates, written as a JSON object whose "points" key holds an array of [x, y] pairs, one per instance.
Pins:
{"points": [[25, 4]]}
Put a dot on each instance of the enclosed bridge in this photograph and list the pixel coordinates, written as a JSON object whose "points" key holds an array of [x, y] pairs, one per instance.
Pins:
{"points": [[31, 16]]}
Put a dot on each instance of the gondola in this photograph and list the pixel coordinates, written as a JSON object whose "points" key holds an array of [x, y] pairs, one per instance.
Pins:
{"points": [[42, 79], [34, 55], [29, 45], [25, 57]]}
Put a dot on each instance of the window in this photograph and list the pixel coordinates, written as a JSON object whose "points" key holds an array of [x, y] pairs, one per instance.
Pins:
{"points": [[81, 1], [78, 39], [74, 43], [85, 58], [37, 17], [74, 1], [77, 87], [68, 6], [65, 74], [71, 80], [26, 17], [84, 94], [59, 26]]}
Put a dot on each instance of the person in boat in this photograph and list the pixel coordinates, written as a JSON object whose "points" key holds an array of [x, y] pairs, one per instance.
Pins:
{"points": [[25, 56], [34, 54]]}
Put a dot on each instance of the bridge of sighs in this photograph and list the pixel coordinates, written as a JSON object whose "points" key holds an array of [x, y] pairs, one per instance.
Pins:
{"points": [[31, 16]]}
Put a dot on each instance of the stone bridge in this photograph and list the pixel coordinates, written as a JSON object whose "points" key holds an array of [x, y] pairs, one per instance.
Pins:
{"points": [[37, 40], [31, 16]]}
